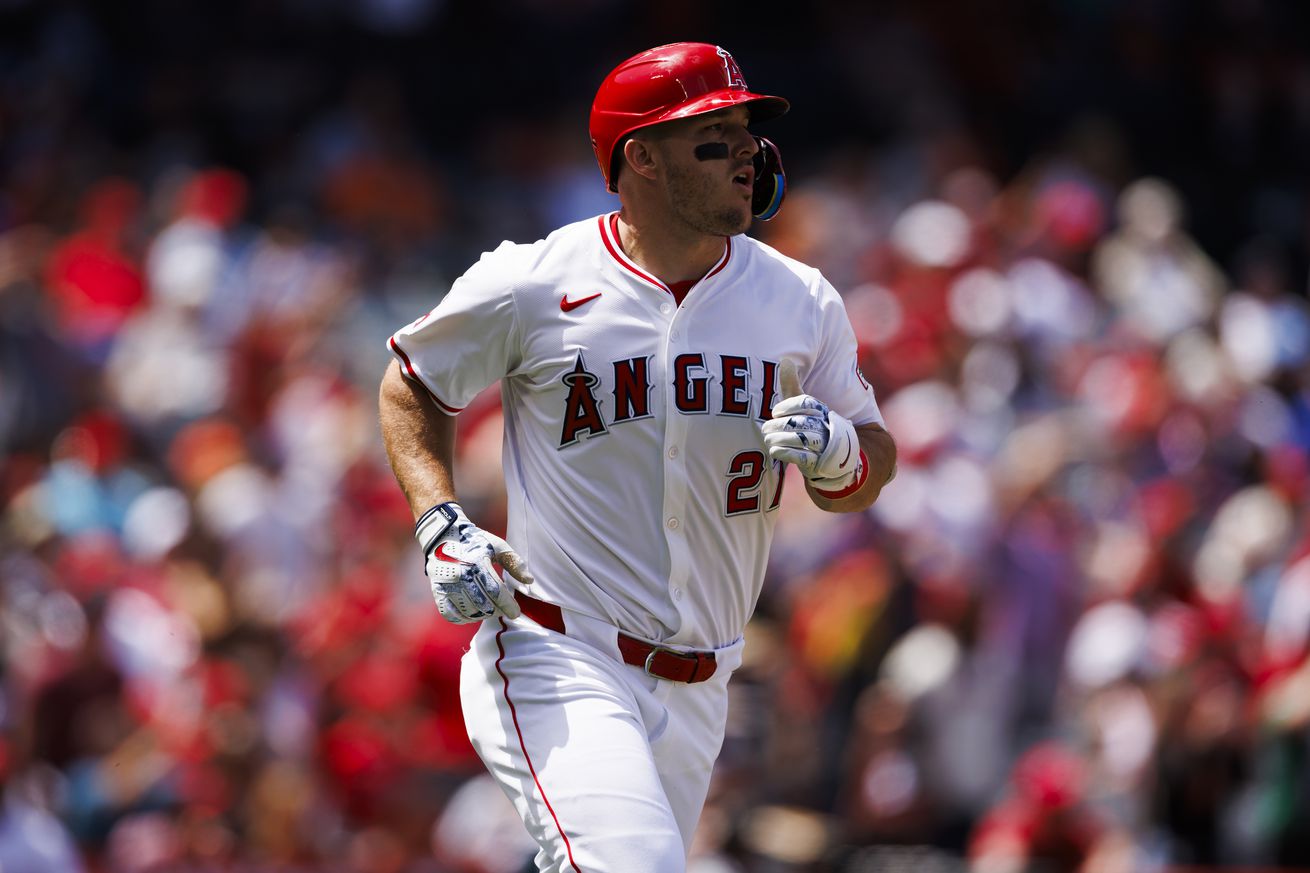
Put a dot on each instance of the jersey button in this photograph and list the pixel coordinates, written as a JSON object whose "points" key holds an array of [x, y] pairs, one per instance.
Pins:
{"points": [[673, 523], [677, 593], [673, 452], [677, 334], [666, 308]]}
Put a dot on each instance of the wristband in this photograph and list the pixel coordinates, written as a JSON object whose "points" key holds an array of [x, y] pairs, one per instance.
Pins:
{"points": [[433, 524]]}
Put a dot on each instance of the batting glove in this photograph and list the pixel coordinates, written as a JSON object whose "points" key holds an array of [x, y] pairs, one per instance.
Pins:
{"points": [[822, 444], [459, 566]]}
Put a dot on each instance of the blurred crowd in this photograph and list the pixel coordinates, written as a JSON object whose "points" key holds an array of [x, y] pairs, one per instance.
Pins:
{"points": [[1073, 634]]}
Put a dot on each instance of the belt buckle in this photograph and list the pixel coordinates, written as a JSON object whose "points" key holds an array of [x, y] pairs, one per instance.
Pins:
{"points": [[650, 656], [698, 660]]}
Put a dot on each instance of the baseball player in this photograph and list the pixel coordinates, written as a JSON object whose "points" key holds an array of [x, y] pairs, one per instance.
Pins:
{"points": [[658, 369]]}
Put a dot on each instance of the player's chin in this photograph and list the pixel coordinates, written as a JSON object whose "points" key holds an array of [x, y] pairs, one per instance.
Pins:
{"points": [[735, 220], [724, 218]]}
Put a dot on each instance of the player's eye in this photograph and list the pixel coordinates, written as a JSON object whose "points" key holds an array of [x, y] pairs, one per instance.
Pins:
{"points": [[717, 127]]}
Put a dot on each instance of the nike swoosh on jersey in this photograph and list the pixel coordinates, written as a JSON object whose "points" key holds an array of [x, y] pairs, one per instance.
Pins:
{"points": [[567, 305], [442, 555]]}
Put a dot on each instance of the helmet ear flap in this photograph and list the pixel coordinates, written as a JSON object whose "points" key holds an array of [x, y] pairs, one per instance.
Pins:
{"points": [[770, 181]]}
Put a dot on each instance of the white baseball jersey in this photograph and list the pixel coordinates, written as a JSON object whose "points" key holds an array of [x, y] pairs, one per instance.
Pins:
{"points": [[640, 491]]}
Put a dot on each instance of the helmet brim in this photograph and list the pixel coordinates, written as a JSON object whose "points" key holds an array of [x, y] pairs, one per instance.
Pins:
{"points": [[763, 107]]}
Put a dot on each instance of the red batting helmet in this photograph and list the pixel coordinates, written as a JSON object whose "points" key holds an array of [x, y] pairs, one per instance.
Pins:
{"points": [[672, 81]]}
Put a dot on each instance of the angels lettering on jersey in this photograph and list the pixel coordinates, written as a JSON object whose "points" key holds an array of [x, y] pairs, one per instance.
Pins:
{"points": [[702, 385]]}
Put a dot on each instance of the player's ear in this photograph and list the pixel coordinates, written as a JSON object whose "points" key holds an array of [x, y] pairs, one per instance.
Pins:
{"points": [[639, 155]]}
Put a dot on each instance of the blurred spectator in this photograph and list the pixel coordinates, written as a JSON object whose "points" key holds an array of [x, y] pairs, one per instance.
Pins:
{"points": [[1152, 272], [31, 838], [94, 277]]}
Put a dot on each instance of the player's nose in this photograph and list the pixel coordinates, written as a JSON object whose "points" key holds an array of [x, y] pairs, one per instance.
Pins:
{"points": [[744, 144]]}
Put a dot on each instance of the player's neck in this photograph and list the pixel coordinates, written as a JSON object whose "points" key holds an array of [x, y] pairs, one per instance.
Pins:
{"points": [[670, 256]]}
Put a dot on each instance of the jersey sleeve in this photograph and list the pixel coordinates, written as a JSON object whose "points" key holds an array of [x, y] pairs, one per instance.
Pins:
{"points": [[835, 377], [469, 340]]}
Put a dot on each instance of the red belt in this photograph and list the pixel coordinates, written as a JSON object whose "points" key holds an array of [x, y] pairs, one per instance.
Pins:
{"points": [[658, 661]]}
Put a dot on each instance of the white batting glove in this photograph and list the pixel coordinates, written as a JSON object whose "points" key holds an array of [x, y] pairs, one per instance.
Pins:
{"points": [[822, 444], [805, 432], [459, 554]]}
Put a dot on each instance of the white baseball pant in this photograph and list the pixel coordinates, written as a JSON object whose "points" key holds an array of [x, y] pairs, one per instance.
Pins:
{"points": [[607, 766]]}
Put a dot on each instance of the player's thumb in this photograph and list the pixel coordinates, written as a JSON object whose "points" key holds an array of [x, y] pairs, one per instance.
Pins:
{"points": [[512, 561], [789, 380]]}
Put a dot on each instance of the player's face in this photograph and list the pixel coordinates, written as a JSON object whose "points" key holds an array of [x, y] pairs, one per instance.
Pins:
{"points": [[710, 195]]}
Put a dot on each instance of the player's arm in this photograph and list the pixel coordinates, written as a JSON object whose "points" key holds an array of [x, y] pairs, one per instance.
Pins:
{"points": [[420, 442], [419, 439]]}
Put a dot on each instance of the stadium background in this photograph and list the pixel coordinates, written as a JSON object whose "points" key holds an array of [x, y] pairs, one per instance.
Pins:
{"points": [[1072, 237]]}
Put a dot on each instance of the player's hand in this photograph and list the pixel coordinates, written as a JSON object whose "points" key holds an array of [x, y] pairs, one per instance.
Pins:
{"points": [[459, 555], [804, 431]]}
